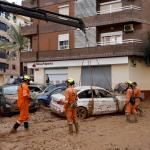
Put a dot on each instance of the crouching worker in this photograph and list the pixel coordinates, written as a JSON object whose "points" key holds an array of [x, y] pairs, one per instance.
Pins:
{"points": [[70, 106], [23, 104], [130, 107]]}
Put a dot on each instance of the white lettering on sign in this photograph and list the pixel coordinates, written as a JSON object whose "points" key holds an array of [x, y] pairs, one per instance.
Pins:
{"points": [[41, 64], [44, 63]]}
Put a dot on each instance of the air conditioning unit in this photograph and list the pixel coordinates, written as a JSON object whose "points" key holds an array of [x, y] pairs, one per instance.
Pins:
{"points": [[128, 28]]}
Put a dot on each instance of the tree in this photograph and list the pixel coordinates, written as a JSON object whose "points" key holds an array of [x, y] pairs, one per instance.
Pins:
{"points": [[17, 44]]}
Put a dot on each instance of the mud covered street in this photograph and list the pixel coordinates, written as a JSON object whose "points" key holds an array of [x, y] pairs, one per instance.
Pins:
{"points": [[49, 132]]}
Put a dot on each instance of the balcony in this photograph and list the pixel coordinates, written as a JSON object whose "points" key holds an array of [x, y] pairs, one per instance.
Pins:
{"points": [[125, 49], [126, 41], [29, 30], [124, 14]]}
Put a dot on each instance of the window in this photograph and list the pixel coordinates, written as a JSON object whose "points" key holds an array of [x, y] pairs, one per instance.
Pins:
{"points": [[110, 7], [2, 38], [7, 15], [104, 94], [63, 41], [111, 38], [58, 90], [87, 94], [34, 89], [14, 67], [64, 9], [3, 26], [10, 90], [14, 19]]}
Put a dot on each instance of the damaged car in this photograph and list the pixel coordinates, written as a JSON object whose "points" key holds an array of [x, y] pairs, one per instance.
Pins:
{"points": [[92, 100], [9, 97]]}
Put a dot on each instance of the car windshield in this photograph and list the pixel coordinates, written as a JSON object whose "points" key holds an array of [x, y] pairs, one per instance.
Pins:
{"points": [[10, 90], [43, 87], [49, 88]]}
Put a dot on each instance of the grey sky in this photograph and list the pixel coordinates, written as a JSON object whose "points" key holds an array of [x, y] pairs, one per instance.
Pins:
{"points": [[16, 1]]}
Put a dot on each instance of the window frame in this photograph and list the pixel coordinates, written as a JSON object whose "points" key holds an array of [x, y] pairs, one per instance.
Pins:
{"points": [[60, 39], [111, 10], [62, 7], [111, 35]]}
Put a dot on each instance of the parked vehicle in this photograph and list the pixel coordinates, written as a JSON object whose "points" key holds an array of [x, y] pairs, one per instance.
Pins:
{"points": [[37, 88], [45, 98], [91, 101], [8, 100]]}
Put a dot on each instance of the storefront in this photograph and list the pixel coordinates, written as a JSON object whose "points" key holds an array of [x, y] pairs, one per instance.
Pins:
{"points": [[86, 72]]}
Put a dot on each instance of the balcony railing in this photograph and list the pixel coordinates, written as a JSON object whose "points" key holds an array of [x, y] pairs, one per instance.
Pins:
{"points": [[126, 41], [130, 7], [125, 49], [128, 14]]}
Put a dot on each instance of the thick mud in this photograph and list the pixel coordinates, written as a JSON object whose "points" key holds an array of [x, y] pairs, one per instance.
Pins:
{"points": [[49, 132]]}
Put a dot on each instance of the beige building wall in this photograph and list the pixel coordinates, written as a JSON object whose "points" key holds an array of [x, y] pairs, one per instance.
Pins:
{"points": [[1, 79], [120, 73], [140, 73], [75, 73], [39, 76]]}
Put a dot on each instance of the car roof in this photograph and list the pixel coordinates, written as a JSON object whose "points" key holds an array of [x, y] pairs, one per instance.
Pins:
{"points": [[88, 87], [8, 85]]}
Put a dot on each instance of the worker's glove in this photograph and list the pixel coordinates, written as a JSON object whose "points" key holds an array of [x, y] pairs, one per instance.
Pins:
{"points": [[73, 105]]}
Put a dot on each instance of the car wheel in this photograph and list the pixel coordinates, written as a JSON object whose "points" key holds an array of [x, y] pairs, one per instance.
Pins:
{"points": [[81, 113], [1, 110]]}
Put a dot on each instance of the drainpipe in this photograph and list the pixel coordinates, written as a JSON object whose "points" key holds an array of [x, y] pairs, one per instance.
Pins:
{"points": [[38, 38]]}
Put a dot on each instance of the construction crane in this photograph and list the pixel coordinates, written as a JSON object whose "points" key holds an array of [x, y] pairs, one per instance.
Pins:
{"points": [[42, 15]]}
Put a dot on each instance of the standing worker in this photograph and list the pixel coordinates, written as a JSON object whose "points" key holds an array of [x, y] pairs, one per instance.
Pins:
{"points": [[70, 105], [23, 104], [130, 107]]}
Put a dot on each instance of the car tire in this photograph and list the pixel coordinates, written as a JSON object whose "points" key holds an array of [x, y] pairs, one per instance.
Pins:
{"points": [[82, 113], [1, 111]]}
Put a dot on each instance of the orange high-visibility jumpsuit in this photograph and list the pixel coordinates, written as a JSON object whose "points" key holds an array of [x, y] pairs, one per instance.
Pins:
{"points": [[70, 97], [129, 107], [23, 102], [137, 94]]}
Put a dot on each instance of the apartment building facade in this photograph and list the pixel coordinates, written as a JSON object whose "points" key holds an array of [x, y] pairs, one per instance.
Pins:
{"points": [[9, 66], [116, 31]]}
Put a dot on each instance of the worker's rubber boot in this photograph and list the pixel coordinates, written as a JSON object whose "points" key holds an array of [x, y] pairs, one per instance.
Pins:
{"points": [[135, 118], [14, 129], [128, 118], [70, 129], [26, 125], [76, 127]]}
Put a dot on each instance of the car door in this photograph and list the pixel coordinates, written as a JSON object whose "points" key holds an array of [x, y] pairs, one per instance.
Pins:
{"points": [[85, 99], [104, 102]]}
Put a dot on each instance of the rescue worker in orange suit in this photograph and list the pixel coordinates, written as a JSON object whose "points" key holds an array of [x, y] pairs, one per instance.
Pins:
{"points": [[137, 93], [70, 105], [23, 104], [130, 108]]}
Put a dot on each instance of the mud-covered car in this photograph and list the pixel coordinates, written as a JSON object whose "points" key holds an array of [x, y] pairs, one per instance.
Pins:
{"points": [[8, 100], [91, 101]]}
